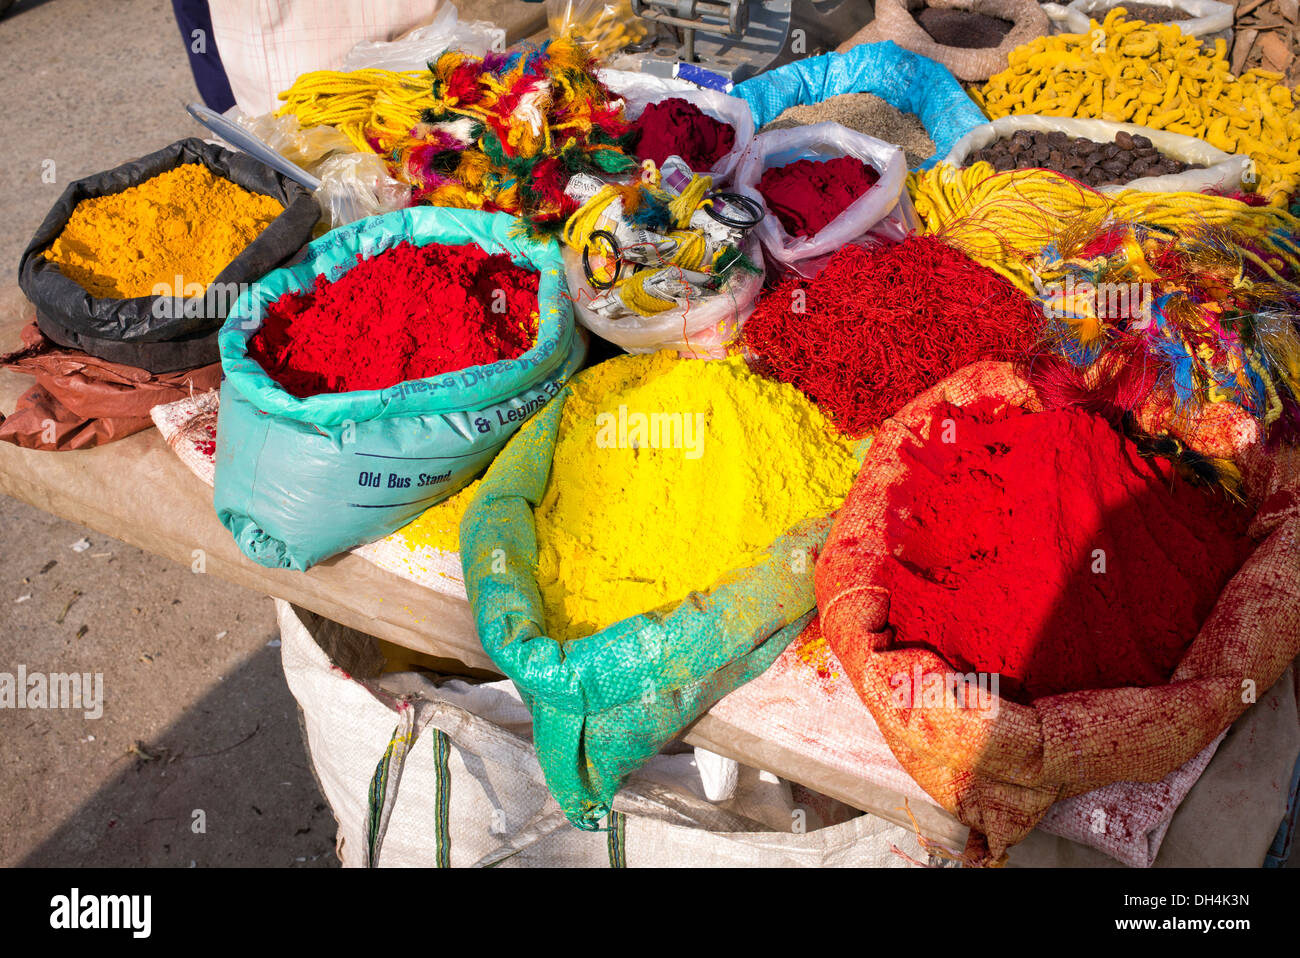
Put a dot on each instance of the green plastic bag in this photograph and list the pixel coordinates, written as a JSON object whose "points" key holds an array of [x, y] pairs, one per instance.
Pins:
{"points": [[603, 705], [300, 480]]}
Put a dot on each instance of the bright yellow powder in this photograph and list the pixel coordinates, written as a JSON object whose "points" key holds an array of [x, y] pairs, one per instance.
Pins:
{"points": [[186, 222], [625, 530], [438, 527]]}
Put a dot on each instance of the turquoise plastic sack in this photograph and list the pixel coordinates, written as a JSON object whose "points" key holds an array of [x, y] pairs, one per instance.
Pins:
{"points": [[300, 480], [605, 704], [905, 80]]}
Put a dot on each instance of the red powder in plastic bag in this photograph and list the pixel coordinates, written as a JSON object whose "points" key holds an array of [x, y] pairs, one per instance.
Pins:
{"points": [[406, 313], [807, 194], [675, 127], [1043, 548]]}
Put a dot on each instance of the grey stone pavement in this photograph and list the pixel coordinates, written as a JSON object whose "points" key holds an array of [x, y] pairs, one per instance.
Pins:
{"points": [[198, 725], [197, 713]]}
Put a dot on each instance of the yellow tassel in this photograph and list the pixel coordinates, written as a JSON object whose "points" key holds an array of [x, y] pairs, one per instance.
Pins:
{"points": [[633, 293]]}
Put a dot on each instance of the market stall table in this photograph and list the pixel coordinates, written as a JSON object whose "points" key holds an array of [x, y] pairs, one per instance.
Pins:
{"points": [[138, 491]]}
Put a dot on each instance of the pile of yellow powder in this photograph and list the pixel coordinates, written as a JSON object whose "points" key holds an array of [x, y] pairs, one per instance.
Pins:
{"points": [[186, 222], [630, 522], [438, 527]]}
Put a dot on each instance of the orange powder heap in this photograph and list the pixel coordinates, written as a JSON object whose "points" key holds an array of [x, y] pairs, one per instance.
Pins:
{"points": [[186, 222]]}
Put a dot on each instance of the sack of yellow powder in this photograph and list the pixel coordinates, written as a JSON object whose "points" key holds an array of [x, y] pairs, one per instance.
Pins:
{"points": [[643, 546], [140, 264]]}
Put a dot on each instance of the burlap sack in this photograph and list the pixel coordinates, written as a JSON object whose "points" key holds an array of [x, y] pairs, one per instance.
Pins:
{"points": [[999, 769], [896, 20]]}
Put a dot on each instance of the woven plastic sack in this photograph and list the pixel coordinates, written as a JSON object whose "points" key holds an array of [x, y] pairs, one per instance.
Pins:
{"points": [[896, 20], [904, 80], [423, 770], [1224, 172], [704, 330], [300, 480], [1209, 19], [999, 769], [604, 704], [883, 213], [639, 90]]}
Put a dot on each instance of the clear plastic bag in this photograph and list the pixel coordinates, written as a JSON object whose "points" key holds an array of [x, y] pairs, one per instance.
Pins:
{"points": [[357, 185], [603, 26], [417, 48], [884, 213], [639, 90], [702, 330], [286, 136], [353, 185], [1208, 20]]}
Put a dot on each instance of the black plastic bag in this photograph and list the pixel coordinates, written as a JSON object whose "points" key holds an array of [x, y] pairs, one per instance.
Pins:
{"points": [[161, 334]]}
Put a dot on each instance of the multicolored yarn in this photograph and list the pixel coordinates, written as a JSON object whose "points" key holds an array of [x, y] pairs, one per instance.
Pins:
{"points": [[1004, 220], [1204, 314], [505, 132]]}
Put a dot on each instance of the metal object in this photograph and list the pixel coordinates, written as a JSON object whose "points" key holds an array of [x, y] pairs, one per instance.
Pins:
{"points": [[254, 146], [739, 39]]}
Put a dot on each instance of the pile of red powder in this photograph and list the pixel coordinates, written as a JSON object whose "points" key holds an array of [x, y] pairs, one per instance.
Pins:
{"points": [[675, 127], [406, 313], [807, 194], [1043, 548], [879, 326]]}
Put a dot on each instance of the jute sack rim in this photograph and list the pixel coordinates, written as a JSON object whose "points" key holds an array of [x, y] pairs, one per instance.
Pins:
{"points": [[896, 20], [1030, 755]]}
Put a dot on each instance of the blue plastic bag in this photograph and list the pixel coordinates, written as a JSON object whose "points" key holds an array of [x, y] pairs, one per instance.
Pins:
{"points": [[907, 81], [300, 480]]}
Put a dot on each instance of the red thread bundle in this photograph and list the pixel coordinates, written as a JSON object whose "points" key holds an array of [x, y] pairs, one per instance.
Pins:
{"points": [[879, 326]]}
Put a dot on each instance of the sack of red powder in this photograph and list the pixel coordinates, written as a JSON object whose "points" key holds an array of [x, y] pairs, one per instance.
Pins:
{"points": [[882, 212], [704, 121], [344, 440], [999, 757]]}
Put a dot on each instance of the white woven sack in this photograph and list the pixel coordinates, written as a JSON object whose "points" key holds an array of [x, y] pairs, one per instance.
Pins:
{"points": [[423, 774]]}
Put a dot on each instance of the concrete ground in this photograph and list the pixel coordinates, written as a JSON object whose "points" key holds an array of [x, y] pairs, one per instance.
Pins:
{"points": [[197, 759], [197, 717]]}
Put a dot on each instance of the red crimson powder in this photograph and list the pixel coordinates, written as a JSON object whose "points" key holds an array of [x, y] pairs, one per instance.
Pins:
{"points": [[1043, 548], [807, 194], [406, 313], [879, 326], [675, 127]]}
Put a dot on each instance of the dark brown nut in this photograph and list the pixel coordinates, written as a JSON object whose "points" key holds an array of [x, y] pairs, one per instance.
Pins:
{"points": [[1124, 140], [1141, 142], [1111, 151], [1114, 167]]}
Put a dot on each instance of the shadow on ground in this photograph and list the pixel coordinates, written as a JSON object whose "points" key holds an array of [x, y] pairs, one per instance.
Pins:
{"points": [[172, 803]]}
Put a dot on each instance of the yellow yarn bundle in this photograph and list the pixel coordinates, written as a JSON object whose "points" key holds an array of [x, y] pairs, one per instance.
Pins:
{"points": [[1004, 220], [382, 104]]}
